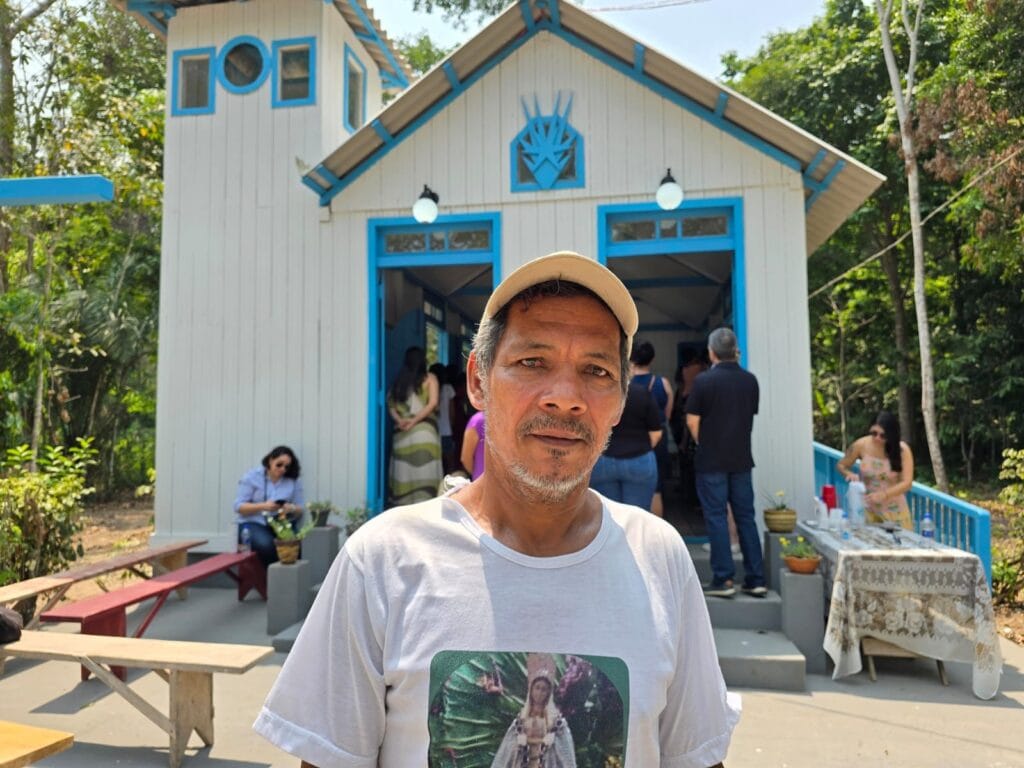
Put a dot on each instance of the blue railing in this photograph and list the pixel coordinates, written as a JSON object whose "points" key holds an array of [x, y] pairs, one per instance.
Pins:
{"points": [[957, 523]]}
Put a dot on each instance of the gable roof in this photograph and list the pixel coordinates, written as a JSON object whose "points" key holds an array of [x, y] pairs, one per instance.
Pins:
{"points": [[835, 184], [394, 71]]}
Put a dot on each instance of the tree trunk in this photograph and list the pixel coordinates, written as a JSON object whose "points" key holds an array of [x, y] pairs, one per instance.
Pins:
{"points": [[37, 406], [7, 122], [904, 107], [900, 338]]}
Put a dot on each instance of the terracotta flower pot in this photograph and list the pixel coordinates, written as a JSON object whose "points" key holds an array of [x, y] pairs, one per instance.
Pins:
{"points": [[780, 520], [802, 564], [287, 551]]}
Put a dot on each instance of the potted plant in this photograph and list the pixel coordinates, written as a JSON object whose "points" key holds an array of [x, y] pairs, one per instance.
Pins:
{"points": [[354, 518], [319, 511], [286, 539], [799, 555], [778, 517]]}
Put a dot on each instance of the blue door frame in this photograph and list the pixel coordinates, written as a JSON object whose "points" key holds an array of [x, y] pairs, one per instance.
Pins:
{"points": [[378, 261], [732, 241]]}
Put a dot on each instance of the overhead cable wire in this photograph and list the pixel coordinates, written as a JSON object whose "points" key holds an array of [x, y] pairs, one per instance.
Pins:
{"points": [[650, 5], [925, 220]]}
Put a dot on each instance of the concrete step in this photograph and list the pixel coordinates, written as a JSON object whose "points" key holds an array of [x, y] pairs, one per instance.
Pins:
{"points": [[760, 659], [746, 612], [285, 639], [702, 562]]}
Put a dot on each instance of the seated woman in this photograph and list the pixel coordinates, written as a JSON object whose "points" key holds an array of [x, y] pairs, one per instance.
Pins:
{"points": [[886, 469], [272, 488]]}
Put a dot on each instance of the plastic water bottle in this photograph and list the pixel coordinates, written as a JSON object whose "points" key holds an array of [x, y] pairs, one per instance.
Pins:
{"points": [[844, 525], [246, 545], [822, 509], [855, 502], [928, 526]]}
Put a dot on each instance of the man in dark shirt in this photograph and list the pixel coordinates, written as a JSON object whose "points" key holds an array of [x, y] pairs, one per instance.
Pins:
{"points": [[720, 415]]}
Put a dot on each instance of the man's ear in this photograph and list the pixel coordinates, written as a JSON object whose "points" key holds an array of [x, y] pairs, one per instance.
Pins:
{"points": [[474, 386]]}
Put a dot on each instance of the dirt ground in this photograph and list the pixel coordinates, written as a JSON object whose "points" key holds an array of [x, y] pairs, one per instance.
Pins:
{"points": [[112, 529]]}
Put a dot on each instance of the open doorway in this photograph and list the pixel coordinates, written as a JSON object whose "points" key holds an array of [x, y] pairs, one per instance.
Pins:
{"points": [[429, 285], [684, 269]]}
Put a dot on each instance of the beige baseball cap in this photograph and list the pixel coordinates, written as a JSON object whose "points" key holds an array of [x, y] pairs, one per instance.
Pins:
{"points": [[566, 265]]}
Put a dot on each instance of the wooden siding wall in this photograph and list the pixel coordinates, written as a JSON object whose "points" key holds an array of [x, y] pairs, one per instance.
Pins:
{"points": [[264, 296]]}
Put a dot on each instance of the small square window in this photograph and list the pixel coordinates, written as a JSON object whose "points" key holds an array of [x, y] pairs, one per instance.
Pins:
{"points": [[192, 90], [295, 78], [355, 92]]}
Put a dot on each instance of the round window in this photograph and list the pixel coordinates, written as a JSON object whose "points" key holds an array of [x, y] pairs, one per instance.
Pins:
{"points": [[243, 65]]}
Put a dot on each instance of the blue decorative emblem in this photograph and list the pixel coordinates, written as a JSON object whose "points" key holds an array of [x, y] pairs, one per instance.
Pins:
{"points": [[548, 152]]}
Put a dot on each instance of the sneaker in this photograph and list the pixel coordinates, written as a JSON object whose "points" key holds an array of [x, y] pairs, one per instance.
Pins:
{"points": [[725, 589], [756, 591]]}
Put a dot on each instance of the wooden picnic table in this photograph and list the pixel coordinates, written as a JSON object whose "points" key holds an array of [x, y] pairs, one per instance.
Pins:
{"points": [[25, 744], [167, 557]]}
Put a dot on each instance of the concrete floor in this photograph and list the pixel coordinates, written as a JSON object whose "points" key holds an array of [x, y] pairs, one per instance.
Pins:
{"points": [[905, 720]]}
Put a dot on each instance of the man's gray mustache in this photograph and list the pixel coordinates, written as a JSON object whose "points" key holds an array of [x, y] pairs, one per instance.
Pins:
{"points": [[572, 426]]}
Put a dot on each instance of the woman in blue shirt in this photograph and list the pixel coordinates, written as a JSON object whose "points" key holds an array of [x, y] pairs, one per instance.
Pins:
{"points": [[272, 487]]}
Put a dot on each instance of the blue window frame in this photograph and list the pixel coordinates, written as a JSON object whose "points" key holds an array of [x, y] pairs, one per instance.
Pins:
{"points": [[192, 82], [243, 64], [472, 238], [294, 72], [697, 226], [354, 96]]}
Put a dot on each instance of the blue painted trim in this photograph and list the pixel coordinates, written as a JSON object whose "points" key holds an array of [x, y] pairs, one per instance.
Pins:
{"points": [[663, 90], [527, 12], [397, 74], [813, 165], [149, 11], [325, 173], [824, 184], [56, 190], [376, 260], [720, 105], [350, 126], [639, 56], [383, 132], [279, 46], [425, 117], [222, 78], [449, 71], [312, 185], [211, 93], [734, 242], [553, 9], [365, 37], [741, 134]]}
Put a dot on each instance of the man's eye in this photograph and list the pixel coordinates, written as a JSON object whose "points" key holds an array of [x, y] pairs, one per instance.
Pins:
{"points": [[596, 370], [531, 362]]}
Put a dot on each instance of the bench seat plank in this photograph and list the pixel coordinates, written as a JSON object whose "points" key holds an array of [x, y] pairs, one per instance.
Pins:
{"points": [[26, 744], [144, 653]]}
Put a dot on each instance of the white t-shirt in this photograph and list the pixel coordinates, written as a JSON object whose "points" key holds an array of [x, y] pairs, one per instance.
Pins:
{"points": [[419, 590]]}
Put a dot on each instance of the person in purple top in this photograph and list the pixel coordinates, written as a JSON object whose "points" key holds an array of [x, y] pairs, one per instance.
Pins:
{"points": [[272, 487], [473, 446]]}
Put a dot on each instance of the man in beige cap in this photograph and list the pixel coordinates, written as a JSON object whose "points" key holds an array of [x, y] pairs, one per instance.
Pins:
{"points": [[419, 643]]}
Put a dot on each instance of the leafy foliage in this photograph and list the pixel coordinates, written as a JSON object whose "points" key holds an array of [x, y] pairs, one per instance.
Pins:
{"points": [[421, 52], [40, 511]]}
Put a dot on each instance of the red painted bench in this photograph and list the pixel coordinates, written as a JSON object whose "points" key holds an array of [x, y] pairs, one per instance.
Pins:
{"points": [[106, 614]]}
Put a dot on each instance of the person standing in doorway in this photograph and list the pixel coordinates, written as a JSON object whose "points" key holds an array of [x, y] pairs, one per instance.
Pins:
{"points": [[661, 391], [720, 416]]}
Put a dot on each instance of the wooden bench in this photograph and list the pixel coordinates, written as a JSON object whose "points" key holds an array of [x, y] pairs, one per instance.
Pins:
{"points": [[25, 744], [163, 559], [106, 614], [188, 667]]}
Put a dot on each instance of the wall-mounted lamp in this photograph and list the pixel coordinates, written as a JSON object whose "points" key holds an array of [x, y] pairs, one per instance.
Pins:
{"points": [[424, 210], [669, 194]]}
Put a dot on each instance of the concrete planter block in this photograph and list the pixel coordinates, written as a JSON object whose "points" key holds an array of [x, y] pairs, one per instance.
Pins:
{"points": [[773, 557], [319, 548], [288, 595], [803, 615]]}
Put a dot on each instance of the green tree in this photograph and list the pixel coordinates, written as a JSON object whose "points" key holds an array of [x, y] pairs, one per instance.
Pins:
{"points": [[421, 52]]}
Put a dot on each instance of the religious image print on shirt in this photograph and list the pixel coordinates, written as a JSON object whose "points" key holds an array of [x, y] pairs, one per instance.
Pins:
{"points": [[527, 710]]}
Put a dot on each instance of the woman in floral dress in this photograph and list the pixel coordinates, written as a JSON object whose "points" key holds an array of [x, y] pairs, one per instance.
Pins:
{"points": [[886, 469]]}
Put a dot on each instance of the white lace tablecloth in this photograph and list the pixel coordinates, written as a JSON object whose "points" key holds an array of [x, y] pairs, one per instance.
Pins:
{"points": [[925, 597]]}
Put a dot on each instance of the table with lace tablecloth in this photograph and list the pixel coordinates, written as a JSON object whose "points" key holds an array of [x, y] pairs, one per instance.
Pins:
{"points": [[925, 597]]}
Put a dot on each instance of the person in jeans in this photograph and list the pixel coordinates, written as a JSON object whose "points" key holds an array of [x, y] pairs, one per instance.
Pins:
{"points": [[627, 471], [720, 416]]}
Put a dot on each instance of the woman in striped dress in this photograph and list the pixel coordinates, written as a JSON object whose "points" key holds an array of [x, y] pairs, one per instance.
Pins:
{"points": [[416, 443]]}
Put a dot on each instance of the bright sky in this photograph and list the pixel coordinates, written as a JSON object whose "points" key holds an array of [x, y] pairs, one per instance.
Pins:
{"points": [[696, 32]]}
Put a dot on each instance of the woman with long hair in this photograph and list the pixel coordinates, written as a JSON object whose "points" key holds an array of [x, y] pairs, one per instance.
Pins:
{"points": [[416, 442], [886, 469]]}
